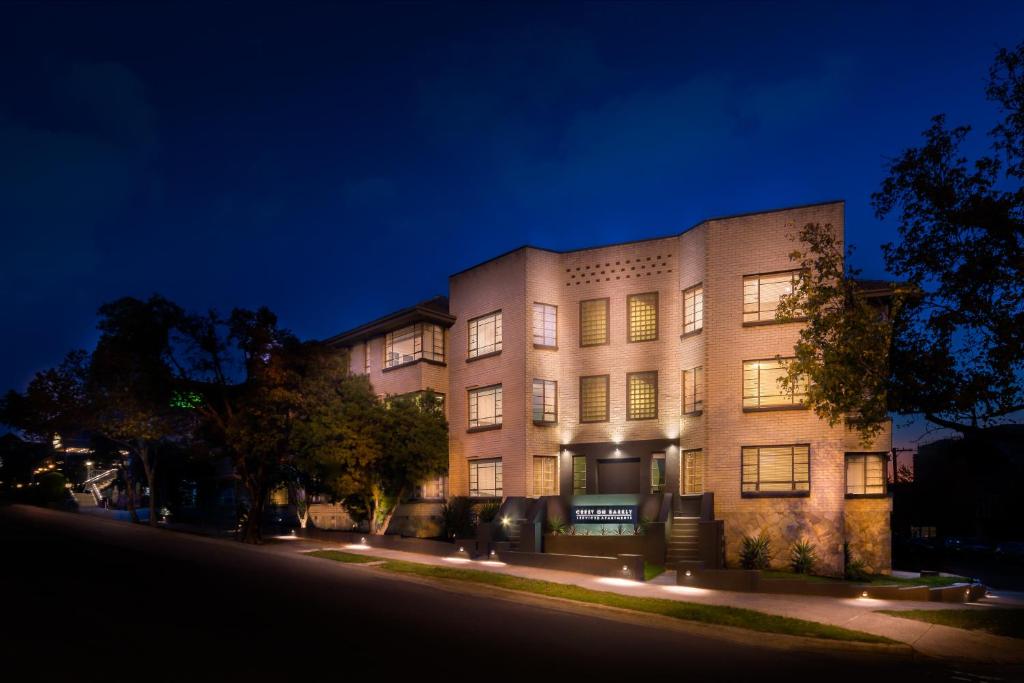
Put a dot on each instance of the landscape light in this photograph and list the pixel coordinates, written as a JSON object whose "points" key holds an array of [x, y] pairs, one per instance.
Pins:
{"points": [[363, 540], [864, 594], [625, 568], [461, 549], [506, 520], [689, 573]]}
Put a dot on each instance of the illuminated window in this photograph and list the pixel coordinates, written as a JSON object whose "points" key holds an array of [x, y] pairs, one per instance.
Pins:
{"points": [[762, 293], [545, 479], [579, 475], [485, 335], [693, 390], [545, 325], [279, 496], [643, 316], [693, 309], [545, 401], [432, 488], [412, 343], [485, 478], [776, 470], [594, 398], [594, 322], [642, 395], [485, 407], [865, 474], [761, 388], [657, 472], [693, 471]]}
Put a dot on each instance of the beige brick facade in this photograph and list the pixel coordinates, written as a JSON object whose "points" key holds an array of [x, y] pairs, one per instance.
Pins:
{"points": [[716, 254]]}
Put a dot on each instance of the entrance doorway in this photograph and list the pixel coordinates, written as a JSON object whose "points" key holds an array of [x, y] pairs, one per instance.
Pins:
{"points": [[621, 475]]}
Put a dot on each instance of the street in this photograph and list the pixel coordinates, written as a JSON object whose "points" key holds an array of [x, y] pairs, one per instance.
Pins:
{"points": [[93, 599]]}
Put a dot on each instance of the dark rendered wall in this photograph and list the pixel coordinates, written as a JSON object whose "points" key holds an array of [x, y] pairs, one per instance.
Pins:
{"points": [[639, 450]]}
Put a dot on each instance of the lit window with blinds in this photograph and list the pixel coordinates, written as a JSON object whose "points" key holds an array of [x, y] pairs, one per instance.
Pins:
{"points": [[431, 489], [657, 472], [545, 401], [421, 341], [762, 389], [545, 475], [485, 407], [865, 474], [693, 391], [545, 325], [693, 471], [594, 398], [693, 309], [641, 395], [594, 322], [642, 310], [485, 478], [776, 470], [485, 334], [762, 293], [579, 475]]}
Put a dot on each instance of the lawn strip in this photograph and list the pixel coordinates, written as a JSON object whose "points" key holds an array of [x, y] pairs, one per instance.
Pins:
{"points": [[997, 620], [709, 614]]}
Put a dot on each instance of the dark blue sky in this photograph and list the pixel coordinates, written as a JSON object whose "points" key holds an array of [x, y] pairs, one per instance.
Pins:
{"points": [[337, 162]]}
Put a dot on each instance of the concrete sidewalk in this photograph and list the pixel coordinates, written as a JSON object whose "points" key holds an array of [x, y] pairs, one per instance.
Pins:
{"points": [[858, 614]]}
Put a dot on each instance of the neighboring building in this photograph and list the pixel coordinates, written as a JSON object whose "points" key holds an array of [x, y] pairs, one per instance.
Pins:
{"points": [[405, 352], [642, 368]]}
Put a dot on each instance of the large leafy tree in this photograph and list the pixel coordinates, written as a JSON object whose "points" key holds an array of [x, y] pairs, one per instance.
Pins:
{"points": [[132, 385], [842, 355], [958, 352], [54, 403]]}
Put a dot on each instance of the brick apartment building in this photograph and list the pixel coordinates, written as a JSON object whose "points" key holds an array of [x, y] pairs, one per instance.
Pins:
{"points": [[646, 367]]}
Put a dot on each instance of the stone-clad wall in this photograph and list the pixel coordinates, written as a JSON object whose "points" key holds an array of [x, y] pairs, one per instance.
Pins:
{"points": [[868, 531]]}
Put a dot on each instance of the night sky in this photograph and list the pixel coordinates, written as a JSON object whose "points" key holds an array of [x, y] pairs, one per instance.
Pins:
{"points": [[339, 162]]}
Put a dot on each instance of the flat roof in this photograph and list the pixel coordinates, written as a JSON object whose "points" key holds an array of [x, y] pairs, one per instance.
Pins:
{"points": [[649, 239], [432, 310]]}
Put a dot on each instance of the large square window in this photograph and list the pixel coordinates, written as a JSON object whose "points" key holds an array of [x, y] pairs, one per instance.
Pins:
{"points": [[485, 407], [762, 293], [865, 474], [485, 334], [643, 316], [762, 389], [642, 395], [413, 343], [776, 470], [485, 478], [594, 322]]}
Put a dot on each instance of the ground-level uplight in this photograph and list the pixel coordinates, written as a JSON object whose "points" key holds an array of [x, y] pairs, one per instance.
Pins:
{"points": [[864, 594]]}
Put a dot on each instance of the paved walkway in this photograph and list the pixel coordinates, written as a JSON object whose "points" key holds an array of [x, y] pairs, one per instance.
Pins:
{"points": [[859, 614]]}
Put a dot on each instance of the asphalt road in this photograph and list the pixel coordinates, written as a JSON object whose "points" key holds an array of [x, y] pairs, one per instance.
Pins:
{"points": [[89, 599]]}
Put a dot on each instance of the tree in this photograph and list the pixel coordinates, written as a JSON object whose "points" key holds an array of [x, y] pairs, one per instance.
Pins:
{"points": [[54, 403], [131, 385], [958, 352], [842, 355]]}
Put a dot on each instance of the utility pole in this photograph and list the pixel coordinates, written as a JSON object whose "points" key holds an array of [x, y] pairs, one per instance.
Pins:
{"points": [[895, 464]]}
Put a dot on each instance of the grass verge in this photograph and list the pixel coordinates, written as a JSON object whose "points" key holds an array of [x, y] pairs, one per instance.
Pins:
{"points": [[876, 580], [652, 570], [707, 614], [1000, 621]]}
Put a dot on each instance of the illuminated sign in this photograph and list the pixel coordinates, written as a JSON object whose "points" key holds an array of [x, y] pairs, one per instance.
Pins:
{"points": [[604, 514]]}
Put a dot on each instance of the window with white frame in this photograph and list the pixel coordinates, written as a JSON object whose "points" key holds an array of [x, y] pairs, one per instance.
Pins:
{"points": [[485, 478], [693, 390], [762, 388], [776, 470], [545, 325], [545, 475], [762, 293], [545, 400], [865, 474], [485, 334], [485, 407], [412, 343], [693, 309]]}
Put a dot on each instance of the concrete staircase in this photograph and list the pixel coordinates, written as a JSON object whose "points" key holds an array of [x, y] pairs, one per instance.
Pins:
{"points": [[683, 544]]}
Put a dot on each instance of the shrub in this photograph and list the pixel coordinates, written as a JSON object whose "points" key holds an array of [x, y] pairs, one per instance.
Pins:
{"points": [[802, 557], [488, 511], [853, 569], [557, 526], [457, 518], [756, 552]]}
